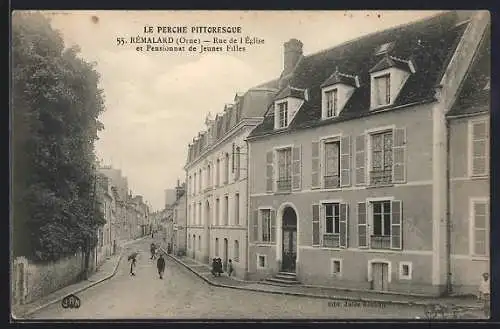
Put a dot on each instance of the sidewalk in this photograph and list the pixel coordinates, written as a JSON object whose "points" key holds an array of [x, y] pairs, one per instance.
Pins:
{"points": [[204, 272], [104, 272]]}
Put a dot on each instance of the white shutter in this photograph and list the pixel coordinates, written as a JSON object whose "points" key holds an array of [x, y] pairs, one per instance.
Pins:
{"points": [[363, 236], [399, 156], [396, 225], [344, 225], [296, 167], [315, 171], [480, 147], [273, 225], [315, 225], [255, 225], [269, 171], [360, 160], [345, 161]]}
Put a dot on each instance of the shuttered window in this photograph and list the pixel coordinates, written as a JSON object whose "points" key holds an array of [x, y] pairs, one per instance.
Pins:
{"points": [[480, 233], [269, 171], [265, 219], [296, 168], [315, 225], [362, 225], [479, 148], [399, 156], [345, 161]]}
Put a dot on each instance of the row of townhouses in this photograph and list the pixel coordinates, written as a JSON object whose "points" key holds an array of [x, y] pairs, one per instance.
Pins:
{"points": [[127, 216], [365, 165], [172, 220]]}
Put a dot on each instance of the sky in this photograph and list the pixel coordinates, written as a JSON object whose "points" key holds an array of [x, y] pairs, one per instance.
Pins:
{"points": [[156, 102]]}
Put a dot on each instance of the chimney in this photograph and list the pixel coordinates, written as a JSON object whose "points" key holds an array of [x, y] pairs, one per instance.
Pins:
{"points": [[291, 55]]}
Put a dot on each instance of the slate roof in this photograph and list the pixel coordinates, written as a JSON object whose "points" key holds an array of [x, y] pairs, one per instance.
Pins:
{"points": [[338, 77], [429, 43], [473, 96], [289, 91], [390, 61]]}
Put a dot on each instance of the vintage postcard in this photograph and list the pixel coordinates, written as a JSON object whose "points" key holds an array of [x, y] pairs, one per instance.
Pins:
{"points": [[250, 165]]}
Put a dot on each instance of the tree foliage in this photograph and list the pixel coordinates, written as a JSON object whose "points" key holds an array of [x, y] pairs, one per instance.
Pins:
{"points": [[56, 103]]}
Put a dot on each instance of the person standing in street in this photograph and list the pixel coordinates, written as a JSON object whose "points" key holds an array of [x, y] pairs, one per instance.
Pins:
{"points": [[132, 266], [230, 268], [153, 250], [160, 264], [484, 293]]}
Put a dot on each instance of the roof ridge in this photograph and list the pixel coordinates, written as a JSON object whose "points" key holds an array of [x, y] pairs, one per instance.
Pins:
{"points": [[394, 28]]}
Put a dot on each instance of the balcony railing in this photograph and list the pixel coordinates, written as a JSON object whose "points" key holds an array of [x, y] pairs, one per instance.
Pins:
{"points": [[332, 181], [380, 242], [284, 185], [380, 177], [331, 240]]}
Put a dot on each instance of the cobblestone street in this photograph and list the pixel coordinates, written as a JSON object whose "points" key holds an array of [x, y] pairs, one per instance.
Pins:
{"points": [[183, 295]]}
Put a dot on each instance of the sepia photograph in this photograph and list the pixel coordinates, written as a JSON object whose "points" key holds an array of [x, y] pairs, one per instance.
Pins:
{"points": [[250, 165]]}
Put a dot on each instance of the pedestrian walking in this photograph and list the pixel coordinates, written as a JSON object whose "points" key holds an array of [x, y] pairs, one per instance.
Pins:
{"points": [[160, 264], [230, 268], [153, 250], [484, 293], [133, 263]]}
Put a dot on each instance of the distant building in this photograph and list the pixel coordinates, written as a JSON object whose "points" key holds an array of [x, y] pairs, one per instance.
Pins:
{"points": [[170, 197]]}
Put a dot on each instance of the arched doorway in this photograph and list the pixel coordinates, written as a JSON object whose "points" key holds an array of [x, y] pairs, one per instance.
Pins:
{"points": [[289, 239]]}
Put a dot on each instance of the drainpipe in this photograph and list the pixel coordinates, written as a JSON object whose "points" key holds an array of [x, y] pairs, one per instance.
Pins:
{"points": [[448, 210], [247, 264]]}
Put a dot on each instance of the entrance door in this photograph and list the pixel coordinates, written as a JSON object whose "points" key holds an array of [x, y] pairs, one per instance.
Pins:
{"points": [[226, 252], [380, 272], [194, 246], [289, 239]]}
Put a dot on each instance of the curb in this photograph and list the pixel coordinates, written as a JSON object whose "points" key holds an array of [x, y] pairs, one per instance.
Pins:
{"points": [[90, 285], [353, 299]]}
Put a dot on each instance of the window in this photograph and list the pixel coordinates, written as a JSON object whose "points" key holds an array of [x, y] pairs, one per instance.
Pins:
{"points": [[284, 170], [199, 242], [479, 148], [336, 268], [201, 182], [237, 163], [226, 171], [216, 247], [194, 184], [261, 261], [480, 231], [282, 114], [331, 237], [236, 256], [217, 212], [331, 103], [200, 221], [405, 271], [266, 225], [226, 210], [217, 178], [332, 165], [386, 223], [237, 209], [381, 171], [382, 90], [209, 176]]}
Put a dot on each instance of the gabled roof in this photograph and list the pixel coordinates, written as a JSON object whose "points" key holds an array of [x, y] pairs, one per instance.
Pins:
{"points": [[430, 43], [473, 96], [390, 61], [289, 91], [338, 77]]}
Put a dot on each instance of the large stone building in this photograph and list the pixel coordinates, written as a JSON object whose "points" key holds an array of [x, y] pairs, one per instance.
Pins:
{"points": [[216, 172], [371, 163]]}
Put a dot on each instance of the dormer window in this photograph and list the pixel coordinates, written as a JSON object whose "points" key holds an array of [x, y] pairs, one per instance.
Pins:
{"points": [[387, 79], [331, 103], [336, 91], [283, 114], [383, 89], [287, 104]]}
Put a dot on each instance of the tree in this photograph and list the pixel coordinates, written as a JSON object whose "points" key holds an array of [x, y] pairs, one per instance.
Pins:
{"points": [[56, 103]]}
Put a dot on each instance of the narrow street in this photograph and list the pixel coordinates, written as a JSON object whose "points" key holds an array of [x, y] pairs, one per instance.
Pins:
{"points": [[183, 295]]}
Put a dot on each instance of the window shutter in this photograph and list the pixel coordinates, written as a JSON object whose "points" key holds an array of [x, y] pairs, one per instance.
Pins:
{"points": [[362, 226], [321, 224], [315, 224], [399, 156], [256, 225], [344, 225], [345, 161], [480, 238], [269, 171], [396, 225], [296, 168], [479, 148], [273, 225], [315, 171], [360, 160]]}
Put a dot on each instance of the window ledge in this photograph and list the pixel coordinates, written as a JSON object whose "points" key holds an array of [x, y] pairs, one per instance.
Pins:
{"points": [[379, 186], [264, 244], [283, 193], [479, 177], [336, 189]]}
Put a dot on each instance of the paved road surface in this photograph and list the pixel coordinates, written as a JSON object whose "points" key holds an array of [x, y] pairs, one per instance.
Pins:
{"points": [[183, 295]]}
